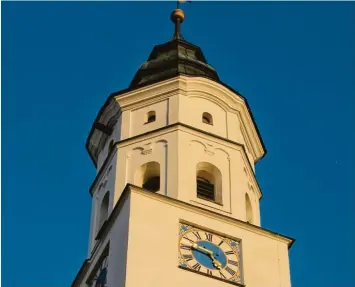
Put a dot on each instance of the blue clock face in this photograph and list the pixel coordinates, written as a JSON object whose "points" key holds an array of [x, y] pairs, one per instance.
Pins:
{"points": [[209, 253], [205, 258]]}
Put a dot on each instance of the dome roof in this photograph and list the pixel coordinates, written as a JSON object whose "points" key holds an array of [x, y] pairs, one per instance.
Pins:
{"points": [[176, 57]]}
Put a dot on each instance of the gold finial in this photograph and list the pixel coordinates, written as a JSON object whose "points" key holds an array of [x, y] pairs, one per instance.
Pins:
{"points": [[177, 14], [177, 17]]}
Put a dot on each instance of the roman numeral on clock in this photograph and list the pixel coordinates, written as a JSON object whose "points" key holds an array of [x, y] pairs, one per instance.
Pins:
{"points": [[208, 236], [209, 272], [197, 267], [187, 257], [229, 252], [189, 239], [186, 247], [235, 263], [197, 235], [230, 271]]}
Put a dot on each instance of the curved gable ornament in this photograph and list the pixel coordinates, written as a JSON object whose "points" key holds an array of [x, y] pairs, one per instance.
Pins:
{"points": [[224, 152], [210, 97], [232, 102], [215, 92], [199, 143]]}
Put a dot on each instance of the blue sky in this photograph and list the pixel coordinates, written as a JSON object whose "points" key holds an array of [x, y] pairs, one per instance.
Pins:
{"points": [[294, 62]]}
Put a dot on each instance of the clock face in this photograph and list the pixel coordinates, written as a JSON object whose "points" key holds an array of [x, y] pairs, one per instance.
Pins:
{"points": [[100, 278], [209, 253]]}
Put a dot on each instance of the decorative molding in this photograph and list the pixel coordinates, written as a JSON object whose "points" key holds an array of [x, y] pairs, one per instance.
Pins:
{"points": [[147, 148], [209, 152], [147, 151], [197, 141], [162, 141], [223, 151], [209, 149]]}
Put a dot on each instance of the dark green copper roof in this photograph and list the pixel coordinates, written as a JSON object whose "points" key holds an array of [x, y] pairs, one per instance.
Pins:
{"points": [[176, 57]]}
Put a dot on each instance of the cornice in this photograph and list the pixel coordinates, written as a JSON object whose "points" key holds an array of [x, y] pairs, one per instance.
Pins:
{"points": [[130, 188], [208, 213]]}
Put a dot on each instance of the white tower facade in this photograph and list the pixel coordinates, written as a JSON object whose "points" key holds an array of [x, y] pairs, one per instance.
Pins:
{"points": [[175, 200]]}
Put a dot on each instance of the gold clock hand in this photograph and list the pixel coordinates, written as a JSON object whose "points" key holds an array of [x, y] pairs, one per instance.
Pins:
{"points": [[216, 263], [196, 246]]}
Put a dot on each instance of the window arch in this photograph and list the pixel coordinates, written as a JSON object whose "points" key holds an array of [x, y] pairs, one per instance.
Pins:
{"points": [[103, 215], [148, 176], [248, 209], [151, 116], [208, 182], [207, 118]]}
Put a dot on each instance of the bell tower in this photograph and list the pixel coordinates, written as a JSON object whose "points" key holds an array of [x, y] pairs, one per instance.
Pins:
{"points": [[175, 201]]}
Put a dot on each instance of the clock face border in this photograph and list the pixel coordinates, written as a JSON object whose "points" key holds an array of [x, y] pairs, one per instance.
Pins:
{"points": [[234, 244]]}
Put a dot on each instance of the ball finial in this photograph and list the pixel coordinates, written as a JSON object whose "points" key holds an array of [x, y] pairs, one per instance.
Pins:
{"points": [[177, 14]]}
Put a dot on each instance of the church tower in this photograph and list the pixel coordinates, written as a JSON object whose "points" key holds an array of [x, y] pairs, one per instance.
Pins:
{"points": [[175, 201]]}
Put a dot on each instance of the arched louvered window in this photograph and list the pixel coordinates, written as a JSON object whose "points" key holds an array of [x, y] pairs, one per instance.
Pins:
{"points": [[208, 182], [148, 176], [249, 210]]}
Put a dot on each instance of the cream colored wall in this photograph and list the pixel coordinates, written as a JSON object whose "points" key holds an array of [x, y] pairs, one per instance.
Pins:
{"points": [[184, 99], [226, 123], [131, 155], [153, 247], [193, 148], [139, 117], [143, 245], [179, 150], [117, 241], [119, 236], [191, 110]]}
